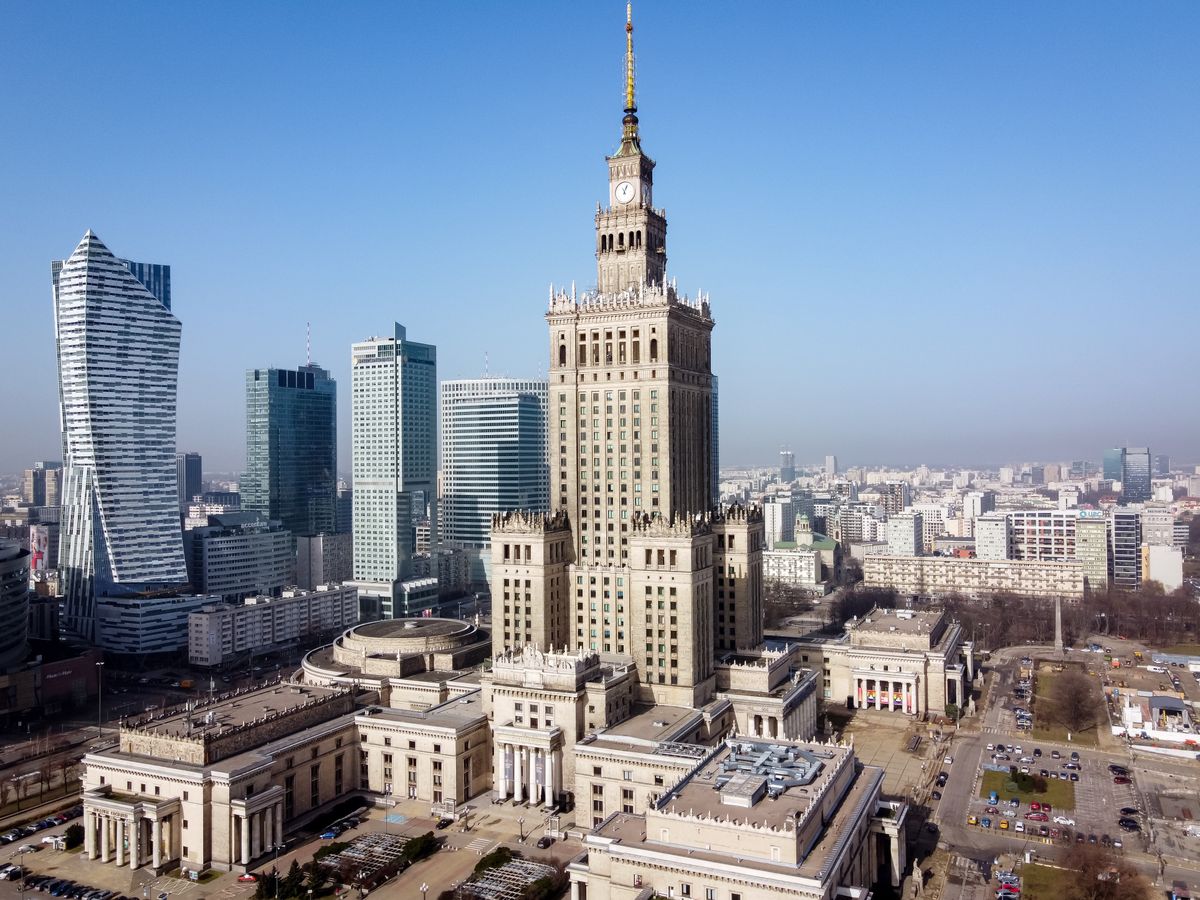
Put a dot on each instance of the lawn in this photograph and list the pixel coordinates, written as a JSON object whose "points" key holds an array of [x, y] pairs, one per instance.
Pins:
{"points": [[1184, 649], [1045, 882], [1045, 730], [1059, 794]]}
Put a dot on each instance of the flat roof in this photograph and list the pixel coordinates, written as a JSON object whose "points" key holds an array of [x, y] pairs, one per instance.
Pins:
{"points": [[652, 723], [903, 621], [457, 713], [235, 709]]}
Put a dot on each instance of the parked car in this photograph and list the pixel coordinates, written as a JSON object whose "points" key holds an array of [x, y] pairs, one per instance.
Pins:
{"points": [[1064, 820], [1129, 824], [1130, 811], [1121, 779], [544, 841], [444, 822]]}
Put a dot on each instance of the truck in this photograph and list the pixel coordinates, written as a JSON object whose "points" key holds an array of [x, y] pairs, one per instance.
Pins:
{"points": [[187, 684]]}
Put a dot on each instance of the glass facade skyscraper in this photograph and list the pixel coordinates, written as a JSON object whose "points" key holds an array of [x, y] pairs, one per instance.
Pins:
{"points": [[393, 415], [494, 459], [189, 472], [291, 448], [1135, 480], [1114, 464], [118, 363]]}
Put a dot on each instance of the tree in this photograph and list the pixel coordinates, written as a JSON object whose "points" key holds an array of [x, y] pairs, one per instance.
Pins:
{"points": [[1073, 701], [1103, 876], [74, 836], [293, 883], [952, 711]]}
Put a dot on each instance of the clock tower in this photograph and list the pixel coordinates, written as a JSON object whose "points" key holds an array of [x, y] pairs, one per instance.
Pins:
{"points": [[631, 234]]}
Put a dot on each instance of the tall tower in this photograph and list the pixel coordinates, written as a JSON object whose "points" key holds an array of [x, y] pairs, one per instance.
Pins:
{"points": [[393, 417], [631, 437], [118, 363], [291, 448]]}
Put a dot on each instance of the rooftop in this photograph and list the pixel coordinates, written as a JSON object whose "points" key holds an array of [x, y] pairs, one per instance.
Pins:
{"points": [[653, 724], [235, 709], [904, 621]]}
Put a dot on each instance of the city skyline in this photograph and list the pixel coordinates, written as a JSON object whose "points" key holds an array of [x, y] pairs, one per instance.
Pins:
{"points": [[912, 173]]}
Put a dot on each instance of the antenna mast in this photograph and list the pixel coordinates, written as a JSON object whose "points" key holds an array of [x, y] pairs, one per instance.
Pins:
{"points": [[308, 343]]}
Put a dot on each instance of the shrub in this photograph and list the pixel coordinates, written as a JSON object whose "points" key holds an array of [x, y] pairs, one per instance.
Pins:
{"points": [[74, 836], [421, 846], [495, 859]]}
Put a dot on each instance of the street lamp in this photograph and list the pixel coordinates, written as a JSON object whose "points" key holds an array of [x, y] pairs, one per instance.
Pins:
{"points": [[521, 824], [100, 697], [424, 890]]}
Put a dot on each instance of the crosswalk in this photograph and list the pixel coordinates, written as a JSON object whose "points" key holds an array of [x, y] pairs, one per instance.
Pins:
{"points": [[481, 846]]}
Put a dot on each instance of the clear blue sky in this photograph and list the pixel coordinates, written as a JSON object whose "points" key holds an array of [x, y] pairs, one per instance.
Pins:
{"points": [[931, 232]]}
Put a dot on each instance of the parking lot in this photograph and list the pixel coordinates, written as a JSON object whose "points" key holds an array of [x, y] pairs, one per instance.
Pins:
{"points": [[1094, 808]]}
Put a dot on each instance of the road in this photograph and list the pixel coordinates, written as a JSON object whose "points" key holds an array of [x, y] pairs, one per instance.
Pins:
{"points": [[1095, 794]]}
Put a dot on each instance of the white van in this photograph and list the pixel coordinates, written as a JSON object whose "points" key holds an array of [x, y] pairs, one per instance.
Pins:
{"points": [[1159, 669]]}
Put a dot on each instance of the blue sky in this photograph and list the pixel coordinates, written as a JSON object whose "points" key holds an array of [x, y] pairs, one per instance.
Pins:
{"points": [[931, 232]]}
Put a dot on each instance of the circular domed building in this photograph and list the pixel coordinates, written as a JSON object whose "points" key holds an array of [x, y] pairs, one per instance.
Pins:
{"points": [[424, 653]]}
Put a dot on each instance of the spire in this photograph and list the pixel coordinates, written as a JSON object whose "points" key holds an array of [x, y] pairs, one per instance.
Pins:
{"points": [[630, 145]]}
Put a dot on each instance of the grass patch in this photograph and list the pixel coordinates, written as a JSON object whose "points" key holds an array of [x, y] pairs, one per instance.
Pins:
{"points": [[1059, 794], [1184, 649], [1045, 730], [1045, 882]]}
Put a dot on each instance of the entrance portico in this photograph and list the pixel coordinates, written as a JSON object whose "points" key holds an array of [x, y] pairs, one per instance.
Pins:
{"points": [[131, 830], [528, 765], [888, 690]]}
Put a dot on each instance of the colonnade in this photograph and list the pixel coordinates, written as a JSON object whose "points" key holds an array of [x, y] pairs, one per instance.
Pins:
{"points": [[887, 693], [132, 839], [532, 774], [255, 832]]}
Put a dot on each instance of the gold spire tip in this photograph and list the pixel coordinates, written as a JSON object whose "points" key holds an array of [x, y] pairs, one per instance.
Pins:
{"points": [[630, 99]]}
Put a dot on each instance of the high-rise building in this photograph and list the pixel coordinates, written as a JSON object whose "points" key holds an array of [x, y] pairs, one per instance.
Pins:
{"points": [[831, 468], [14, 604], [344, 510], [1135, 478], [629, 564], [779, 520], [1162, 465], [494, 458], [1091, 549], [40, 485], [189, 474], [976, 504], [991, 536], [1114, 464], [118, 361], [895, 496], [787, 466], [240, 555], [1125, 542], [905, 534], [394, 443], [291, 448], [1042, 534]]}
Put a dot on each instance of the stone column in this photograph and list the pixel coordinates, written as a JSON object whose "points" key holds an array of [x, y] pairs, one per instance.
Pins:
{"points": [[255, 835], [279, 824], [104, 844], [135, 843], [858, 693], [574, 890], [121, 841], [878, 695], [156, 843], [244, 859], [501, 789], [551, 793], [89, 834], [518, 774], [916, 696]]}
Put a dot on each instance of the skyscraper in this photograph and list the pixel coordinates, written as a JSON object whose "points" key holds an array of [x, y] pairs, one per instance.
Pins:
{"points": [[628, 565], [118, 360], [1135, 478], [41, 485], [716, 448], [1114, 464], [831, 468], [1125, 547], [189, 474], [394, 449], [291, 448], [1162, 465], [494, 458], [787, 466]]}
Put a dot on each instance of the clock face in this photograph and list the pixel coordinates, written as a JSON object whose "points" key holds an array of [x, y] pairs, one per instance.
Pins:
{"points": [[624, 192]]}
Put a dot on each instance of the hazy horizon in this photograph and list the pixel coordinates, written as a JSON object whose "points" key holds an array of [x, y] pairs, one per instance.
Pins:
{"points": [[935, 233]]}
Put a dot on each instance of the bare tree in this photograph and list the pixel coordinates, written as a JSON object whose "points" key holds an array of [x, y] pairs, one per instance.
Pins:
{"points": [[1073, 702]]}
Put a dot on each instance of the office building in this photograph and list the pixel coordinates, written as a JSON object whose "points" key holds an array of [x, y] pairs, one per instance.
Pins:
{"points": [[905, 534], [787, 466], [1164, 565], [1114, 464], [239, 555], [14, 604], [1125, 547], [291, 448], [120, 499], [1158, 526], [221, 633], [324, 559], [344, 510], [394, 449], [189, 475], [976, 504], [1092, 549], [991, 536], [494, 458], [831, 467], [1135, 481], [1006, 475], [1162, 465], [41, 485], [146, 625], [1042, 534]]}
